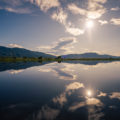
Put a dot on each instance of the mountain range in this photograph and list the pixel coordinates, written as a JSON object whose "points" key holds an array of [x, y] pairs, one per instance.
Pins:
{"points": [[88, 55], [21, 52]]}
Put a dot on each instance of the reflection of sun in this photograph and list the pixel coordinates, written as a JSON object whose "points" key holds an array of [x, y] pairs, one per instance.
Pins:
{"points": [[89, 93], [89, 24]]}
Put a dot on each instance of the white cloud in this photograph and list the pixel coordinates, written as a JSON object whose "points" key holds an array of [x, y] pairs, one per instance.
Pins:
{"points": [[60, 16], [115, 21], [15, 46], [103, 22], [74, 31], [61, 47], [45, 5], [18, 10], [94, 9], [76, 10], [17, 6]]}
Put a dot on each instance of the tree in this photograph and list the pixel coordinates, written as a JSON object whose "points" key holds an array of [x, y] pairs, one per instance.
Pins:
{"points": [[59, 57], [40, 57]]}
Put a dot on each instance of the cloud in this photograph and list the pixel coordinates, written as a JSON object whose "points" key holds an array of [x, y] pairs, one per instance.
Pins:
{"points": [[60, 16], [76, 10], [115, 21], [74, 31], [115, 9], [103, 22], [18, 6], [61, 47], [45, 5], [13, 2], [94, 9], [18, 10], [15, 46]]}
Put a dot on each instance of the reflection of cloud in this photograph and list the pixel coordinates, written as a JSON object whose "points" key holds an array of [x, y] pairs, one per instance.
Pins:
{"points": [[88, 102], [62, 72], [95, 113], [65, 75], [102, 94], [75, 85], [93, 105], [77, 106], [45, 70], [15, 71], [93, 101], [62, 98], [47, 113], [59, 72], [115, 95]]}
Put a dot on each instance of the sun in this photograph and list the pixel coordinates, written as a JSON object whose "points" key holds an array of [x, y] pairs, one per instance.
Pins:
{"points": [[89, 24]]}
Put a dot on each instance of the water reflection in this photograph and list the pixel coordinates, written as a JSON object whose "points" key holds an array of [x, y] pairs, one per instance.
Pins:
{"points": [[65, 91]]}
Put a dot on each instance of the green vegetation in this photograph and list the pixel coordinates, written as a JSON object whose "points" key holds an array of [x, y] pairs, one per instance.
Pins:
{"points": [[58, 59]]}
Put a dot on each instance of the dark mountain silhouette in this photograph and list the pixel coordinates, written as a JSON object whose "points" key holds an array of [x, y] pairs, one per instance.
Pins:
{"points": [[88, 55], [21, 52]]}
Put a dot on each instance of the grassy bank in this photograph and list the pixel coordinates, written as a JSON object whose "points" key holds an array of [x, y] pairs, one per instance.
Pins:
{"points": [[25, 59]]}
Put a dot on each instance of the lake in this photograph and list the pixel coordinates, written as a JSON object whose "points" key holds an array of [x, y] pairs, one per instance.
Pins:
{"points": [[72, 90]]}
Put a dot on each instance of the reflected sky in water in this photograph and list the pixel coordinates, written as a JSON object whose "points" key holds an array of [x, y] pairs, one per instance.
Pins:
{"points": [[60, 91]]}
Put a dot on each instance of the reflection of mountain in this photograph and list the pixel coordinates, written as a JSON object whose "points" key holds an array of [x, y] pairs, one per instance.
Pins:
{"points": [[87, 62], [23, 65], [21, 52], [18, 65], [87, 55]]}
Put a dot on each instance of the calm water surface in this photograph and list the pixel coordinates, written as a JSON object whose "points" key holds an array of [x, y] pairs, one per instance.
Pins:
{"points": [[60, 91]]}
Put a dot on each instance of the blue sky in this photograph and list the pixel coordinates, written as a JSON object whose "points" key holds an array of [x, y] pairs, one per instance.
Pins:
{"points": [[61, 26]]}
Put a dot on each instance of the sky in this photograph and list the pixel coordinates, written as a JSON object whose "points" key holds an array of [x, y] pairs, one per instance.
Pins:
{"points": [[61, 26]]}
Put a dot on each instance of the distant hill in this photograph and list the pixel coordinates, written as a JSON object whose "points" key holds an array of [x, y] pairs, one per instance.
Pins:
{"points": [[88, 55], [21, 52]]}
